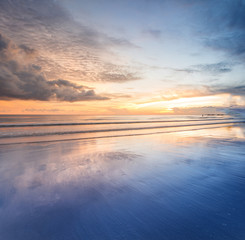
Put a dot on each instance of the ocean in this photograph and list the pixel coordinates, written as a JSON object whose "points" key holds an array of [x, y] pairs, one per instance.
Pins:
{"points": [[32, 128], [122, 177]]}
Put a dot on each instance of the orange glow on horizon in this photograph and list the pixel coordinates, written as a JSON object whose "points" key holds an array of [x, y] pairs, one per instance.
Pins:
{"points": [[111, 107]]}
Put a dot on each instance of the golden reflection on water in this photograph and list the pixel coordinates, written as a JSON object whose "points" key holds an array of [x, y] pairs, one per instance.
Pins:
{"points": [[225, 132]]}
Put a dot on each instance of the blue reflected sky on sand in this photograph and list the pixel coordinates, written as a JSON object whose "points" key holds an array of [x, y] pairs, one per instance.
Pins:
{"points": [[184, 185]]}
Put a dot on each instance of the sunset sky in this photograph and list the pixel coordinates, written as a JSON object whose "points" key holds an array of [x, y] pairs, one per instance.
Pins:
{"points": [[121, 56]]}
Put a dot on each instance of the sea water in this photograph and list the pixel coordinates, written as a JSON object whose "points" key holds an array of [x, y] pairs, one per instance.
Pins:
{"points": [[122, 177]]}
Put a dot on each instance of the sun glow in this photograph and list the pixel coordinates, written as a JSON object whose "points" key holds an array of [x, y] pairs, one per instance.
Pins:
{"points": [[167, 106]]}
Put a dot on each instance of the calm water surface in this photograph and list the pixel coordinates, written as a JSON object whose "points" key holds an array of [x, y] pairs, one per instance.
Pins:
{"points": [[182, 184]]}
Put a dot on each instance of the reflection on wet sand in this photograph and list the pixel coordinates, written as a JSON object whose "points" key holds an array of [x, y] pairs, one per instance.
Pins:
{"points": [[182, 185]]}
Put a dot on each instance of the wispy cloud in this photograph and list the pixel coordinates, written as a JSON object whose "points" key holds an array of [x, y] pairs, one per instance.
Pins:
{"points": [[190, 91], [213, 68], [152, 33], [48, 21], [117, 77], [221, 25], [198, 110], [238, 90]]}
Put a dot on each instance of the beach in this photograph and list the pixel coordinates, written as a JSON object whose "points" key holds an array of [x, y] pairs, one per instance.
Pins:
{"points": [[182, 183], [122, 120]]}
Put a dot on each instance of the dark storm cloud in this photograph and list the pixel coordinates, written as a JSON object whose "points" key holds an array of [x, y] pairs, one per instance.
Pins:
{"points": [[21, 80]]}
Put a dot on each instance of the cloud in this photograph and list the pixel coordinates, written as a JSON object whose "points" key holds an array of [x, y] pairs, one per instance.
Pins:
{"points": [[235, 111], [21, 80], [198, 110], [213, 68], [42, 110], [232, 111], [189, 91], [65, 47], [27, 50], [186, 70], [221, 25], [117, 95], [51, 19], [185, 91], [238, 90], [117, 77], [152, 33]]}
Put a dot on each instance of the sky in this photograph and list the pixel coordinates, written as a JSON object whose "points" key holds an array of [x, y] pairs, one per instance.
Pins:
{"points": [[122, 56]]}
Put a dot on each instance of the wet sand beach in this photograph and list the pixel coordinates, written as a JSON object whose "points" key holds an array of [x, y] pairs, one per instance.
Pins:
{"points": [[187, 184]]}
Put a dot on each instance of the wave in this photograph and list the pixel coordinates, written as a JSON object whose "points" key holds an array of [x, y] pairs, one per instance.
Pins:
{"points": [[104, 123], [108, 136], [33, 134]]}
